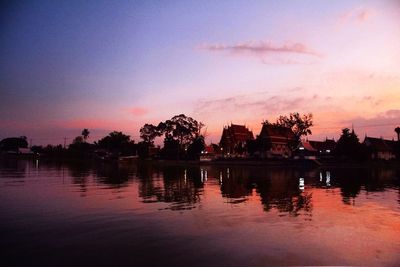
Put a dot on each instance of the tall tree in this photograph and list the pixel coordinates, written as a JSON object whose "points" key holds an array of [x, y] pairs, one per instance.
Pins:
{"points": [[180, 131], [300, 124], [181, 128], [85, 134], [13, 143], [397, 130], [149, 132], [348, 145], [115, 142]]}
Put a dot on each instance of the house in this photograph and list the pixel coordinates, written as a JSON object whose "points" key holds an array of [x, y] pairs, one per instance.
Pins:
{"points": [[380, 148], [325, 148], [305, 151], [279, 141], [208, 154], [234, 139]]}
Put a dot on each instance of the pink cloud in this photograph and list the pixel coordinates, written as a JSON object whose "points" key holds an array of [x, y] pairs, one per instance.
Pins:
{"points": [[265, 48], [381, 125], [357, 15], [364, 15], [138, 111]]}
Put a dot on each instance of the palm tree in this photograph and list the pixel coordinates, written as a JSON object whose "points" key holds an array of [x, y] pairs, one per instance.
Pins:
{"points": [[85, 134], [397, 130]]}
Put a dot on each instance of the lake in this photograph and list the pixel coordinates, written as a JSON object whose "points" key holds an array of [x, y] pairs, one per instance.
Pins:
{"points": [[75, 214]]}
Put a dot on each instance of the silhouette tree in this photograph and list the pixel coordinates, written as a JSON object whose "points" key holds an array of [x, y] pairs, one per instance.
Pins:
{"points": [[397, 130], [78, 140], [397, 144], [300, 124], [180, 131], [149, 132], [117, 142], [349, 145], [181, 128], [13, 143], [195, 148], [85, 134]]}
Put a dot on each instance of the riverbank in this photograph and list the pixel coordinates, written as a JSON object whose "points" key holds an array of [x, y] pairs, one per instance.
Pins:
{"points": [[232, 162]]}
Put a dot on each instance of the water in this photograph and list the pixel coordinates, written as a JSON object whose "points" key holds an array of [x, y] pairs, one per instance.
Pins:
{"points": [[70, 214]]}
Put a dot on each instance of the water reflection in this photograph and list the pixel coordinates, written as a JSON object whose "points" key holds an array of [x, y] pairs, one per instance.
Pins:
{"points": [[286, 190], [146, 211], [181, 187]]}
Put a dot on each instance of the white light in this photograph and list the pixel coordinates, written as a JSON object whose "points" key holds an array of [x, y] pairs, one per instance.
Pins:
{"points": [[328, 178], [328, 151], [301, 183], [301, 148]]}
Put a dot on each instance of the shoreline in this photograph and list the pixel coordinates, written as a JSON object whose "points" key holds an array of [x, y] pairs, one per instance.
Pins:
{"points": [[231, 162]]}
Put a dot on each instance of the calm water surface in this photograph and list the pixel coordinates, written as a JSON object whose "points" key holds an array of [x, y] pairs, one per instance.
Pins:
{"points": [[64, 214]]}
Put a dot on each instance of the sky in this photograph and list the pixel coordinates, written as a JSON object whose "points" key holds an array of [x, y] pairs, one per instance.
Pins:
{"points": [[116, 65]]}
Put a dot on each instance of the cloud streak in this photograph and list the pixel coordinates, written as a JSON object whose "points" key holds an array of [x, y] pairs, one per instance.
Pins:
{"points": [[382, 124], [264, 49], [138, 111], [358, 15]]}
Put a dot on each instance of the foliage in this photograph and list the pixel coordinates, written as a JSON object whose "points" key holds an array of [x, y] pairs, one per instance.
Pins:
{"points": [[195, 148], [300, 124], [171, 149], [78, 140], [143, 149], [13, 143], [349, 147], [85, 134], [117, 142], [181, 128], [149, 132], [80, 148], [179, 133]]}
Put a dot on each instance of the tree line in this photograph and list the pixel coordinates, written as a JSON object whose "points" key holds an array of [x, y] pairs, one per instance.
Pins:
{"points": [[183, 139]]}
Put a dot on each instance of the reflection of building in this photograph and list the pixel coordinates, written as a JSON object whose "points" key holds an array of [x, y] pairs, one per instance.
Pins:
{"points": [[380, 148], [278, 139], [234, 139]]}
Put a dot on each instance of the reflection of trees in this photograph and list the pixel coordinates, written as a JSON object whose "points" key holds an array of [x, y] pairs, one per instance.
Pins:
{"points": [[18, 167], [79, 171], [352, 180], [235, 183], [280, 189], [148, 188], [114, 175], [172, 184]]}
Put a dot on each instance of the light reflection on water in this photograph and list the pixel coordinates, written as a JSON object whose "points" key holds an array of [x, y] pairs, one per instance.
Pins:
{"points": [[79, 213]]}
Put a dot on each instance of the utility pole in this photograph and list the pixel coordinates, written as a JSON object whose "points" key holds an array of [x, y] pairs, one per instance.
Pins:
{"points": [[30, 143], [65, 142]]}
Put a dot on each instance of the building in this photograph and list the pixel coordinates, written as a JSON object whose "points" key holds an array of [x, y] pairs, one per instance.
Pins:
{"points": [[234, 139], [209, 153], [305, 151], [325, 148], [380, 148], [278, 141]]}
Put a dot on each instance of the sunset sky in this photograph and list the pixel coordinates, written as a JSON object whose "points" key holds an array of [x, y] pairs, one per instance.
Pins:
{"points": [[115, 65]]}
